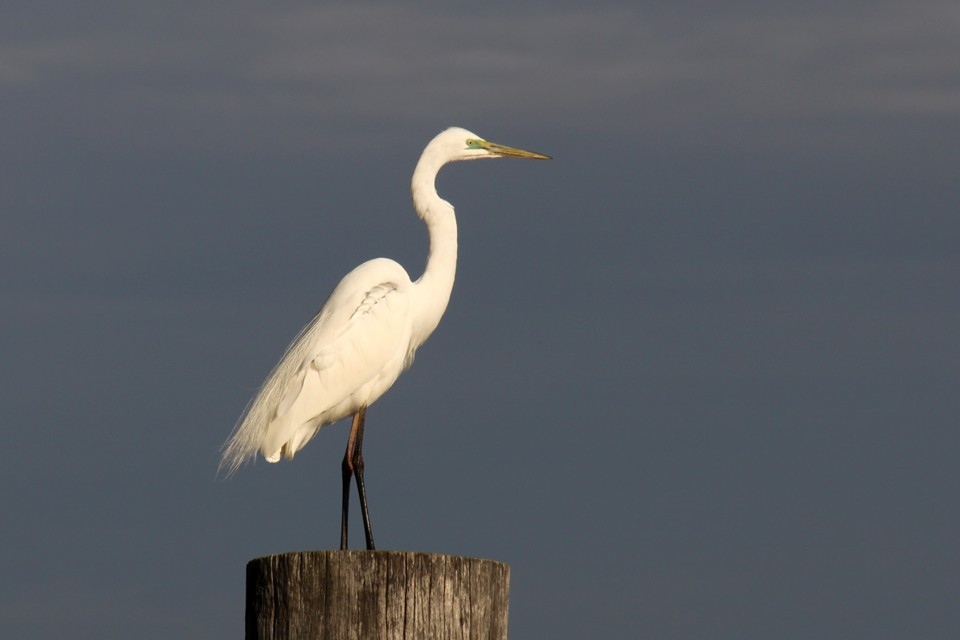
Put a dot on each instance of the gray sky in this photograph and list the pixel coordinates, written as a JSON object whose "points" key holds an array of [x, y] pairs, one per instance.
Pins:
{"points": [[698, 377]]}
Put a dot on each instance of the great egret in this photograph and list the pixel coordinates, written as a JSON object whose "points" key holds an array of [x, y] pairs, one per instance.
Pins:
{"points": [[364, 336]]}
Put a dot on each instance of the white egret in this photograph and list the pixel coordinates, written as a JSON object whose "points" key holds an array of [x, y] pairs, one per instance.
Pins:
{"points": [[364, 336]]}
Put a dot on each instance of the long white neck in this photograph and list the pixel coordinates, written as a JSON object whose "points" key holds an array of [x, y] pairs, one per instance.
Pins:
{"points": [[432, 289]]}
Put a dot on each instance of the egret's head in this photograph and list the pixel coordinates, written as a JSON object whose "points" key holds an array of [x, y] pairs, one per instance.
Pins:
{"points": [[459, 144]]}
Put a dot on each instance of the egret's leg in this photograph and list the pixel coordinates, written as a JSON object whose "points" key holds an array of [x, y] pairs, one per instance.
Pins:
{"points": [[347, 468], [358, 471]]}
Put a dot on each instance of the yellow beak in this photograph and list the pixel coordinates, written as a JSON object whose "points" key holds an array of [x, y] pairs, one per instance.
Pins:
{"points": [[510, 152]]}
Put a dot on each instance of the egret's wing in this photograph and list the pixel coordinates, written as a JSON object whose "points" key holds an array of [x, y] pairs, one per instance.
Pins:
{"points": [[348, 355], [351, 367], [361, 327], [369, 335]]}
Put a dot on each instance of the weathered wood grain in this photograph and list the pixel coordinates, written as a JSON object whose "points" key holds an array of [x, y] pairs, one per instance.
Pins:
{"points": [[376, 595]]}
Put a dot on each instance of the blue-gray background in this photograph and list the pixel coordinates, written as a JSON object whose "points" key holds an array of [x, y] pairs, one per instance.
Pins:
{"points": [[699, 375]]}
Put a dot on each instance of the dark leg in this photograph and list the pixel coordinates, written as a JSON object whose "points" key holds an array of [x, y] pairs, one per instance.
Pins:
{"points": [[347, 468], [361, 488]]}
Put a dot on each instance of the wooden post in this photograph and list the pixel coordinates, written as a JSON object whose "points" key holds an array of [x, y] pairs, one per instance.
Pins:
{"points": [[376, 595]]}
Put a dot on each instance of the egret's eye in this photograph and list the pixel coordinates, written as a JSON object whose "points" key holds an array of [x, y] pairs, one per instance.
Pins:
{"points": [[473, 143]]}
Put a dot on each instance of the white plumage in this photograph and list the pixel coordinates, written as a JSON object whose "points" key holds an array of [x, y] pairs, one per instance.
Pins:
{"points": [[347, 357], [365, 335]]}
